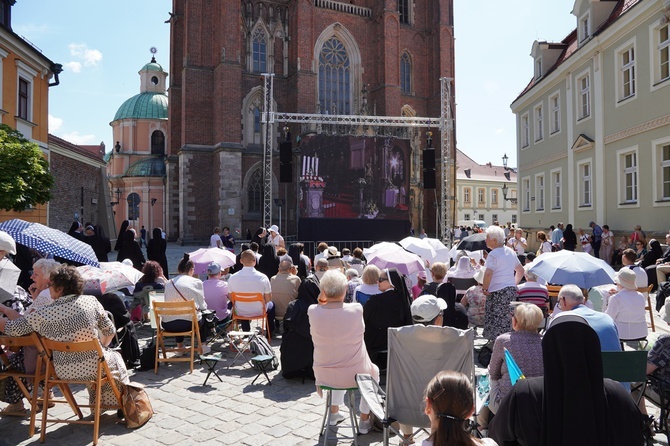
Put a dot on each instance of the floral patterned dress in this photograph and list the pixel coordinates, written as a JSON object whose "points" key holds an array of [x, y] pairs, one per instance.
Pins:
{"points": [[75, 318]]}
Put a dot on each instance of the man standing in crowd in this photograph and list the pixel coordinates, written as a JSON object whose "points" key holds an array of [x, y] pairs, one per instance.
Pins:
{"points": [[557, 235], [518, 243], [597, 238]]}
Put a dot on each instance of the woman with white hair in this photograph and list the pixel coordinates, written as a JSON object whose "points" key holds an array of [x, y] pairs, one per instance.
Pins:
{"points": [[339, 354], [39, 290], [627, 307], [503, 273]]}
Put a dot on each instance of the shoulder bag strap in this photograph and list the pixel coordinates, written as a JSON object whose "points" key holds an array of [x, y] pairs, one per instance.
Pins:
{"points": [[175, 287]]}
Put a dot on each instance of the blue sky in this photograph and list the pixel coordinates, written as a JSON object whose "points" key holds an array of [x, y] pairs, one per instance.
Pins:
{"points": [[102, 46]]}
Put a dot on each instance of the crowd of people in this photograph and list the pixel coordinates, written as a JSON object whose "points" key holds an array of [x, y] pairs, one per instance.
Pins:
{"points": [[308, 301]]}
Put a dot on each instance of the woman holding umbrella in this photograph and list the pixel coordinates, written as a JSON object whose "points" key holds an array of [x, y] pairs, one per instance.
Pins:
{"points": [[503, 274]]}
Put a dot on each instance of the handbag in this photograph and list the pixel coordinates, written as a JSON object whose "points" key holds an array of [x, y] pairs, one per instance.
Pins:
{"points": [[136, 406]]}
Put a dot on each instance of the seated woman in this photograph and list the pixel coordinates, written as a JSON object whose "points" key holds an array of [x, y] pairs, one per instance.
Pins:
{"points": [[370, 285], [474, 301], [185, 287], [463, 269], [627, 307], [339, 354], [152, 280], [73, 317], [390, 308], [624, 244], [640, 250], [449, 404], [572, 392], [525, 345], [654, 253]]}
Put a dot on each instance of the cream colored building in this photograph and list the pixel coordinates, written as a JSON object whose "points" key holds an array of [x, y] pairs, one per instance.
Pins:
{"points": [[480, 190], [593, 124]]}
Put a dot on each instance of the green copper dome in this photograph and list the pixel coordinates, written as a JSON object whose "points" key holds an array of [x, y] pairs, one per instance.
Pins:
{"points": [[144, 106], [153, 66], [151, 167]]}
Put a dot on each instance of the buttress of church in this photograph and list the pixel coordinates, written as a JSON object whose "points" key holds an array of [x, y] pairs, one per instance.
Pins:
{"points": [[362, 57]]}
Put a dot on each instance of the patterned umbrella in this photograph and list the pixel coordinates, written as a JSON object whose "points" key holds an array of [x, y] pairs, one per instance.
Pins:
{"points": [[204, 256], [51, 241], [111, 276]]}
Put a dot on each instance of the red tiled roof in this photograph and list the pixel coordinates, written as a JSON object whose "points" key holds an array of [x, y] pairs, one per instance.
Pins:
{"points": [[571, 40], [96, 152], [482, 172]]}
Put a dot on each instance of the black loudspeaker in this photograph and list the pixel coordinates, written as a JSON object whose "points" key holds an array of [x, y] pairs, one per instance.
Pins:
{"points": [[429, 178], [286, 172], [429, 158], [286, 152]]}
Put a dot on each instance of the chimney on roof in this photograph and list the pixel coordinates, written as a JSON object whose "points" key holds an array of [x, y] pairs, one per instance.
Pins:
{"points": [[489, 164]]}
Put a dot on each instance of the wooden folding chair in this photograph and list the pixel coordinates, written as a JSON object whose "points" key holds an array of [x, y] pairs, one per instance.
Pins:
{"points": [[649, 308], [31, 340], [185, 309], [51, 379], [250, 307], [553, 295]]}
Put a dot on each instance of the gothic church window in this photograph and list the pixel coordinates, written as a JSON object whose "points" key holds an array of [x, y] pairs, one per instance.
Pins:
{"points": [[255, 192], [259, 51], [405, 73], [334, 78], [403, 11]]}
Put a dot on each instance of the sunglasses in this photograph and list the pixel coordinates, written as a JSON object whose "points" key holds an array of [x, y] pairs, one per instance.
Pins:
{"points": [[383, 279]]}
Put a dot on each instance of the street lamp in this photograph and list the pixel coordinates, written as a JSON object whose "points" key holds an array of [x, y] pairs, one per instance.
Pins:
{"points": [[505, 158], [118, 197], [504, 191]]}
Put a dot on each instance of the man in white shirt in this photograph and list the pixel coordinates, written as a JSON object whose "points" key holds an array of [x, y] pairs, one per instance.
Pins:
{"points": [[248, 280], [518, 243]]}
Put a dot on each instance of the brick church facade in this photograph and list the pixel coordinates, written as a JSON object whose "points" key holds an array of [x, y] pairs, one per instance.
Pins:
{"points": [[362, 57]]}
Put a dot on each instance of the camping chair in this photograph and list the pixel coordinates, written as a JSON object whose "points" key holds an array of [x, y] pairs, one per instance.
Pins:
{"points": [[657, 392], [461, 285], [31, 340], [250, 307], [117, 342], [185, 309], [103, 376], [627, 367], [649, 308], [416, 353]]}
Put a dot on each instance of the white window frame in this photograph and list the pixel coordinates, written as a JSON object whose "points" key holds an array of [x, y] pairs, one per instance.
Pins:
{"points": [[538, 119], [514, 220], [466, 216], [467, 192], [623, 174], [538, 67], [556, 189], [622, 69], [657, 174], [3, 55], [540, 185], [583, 95], [656, 51], [555, 110], [585, 184], [481, 196], [494, 196], [524, 130], [584, 29], [28, 74], [525, 188]]}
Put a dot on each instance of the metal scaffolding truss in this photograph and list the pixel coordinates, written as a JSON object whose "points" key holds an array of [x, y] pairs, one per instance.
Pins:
{"points": [[444, 123]]}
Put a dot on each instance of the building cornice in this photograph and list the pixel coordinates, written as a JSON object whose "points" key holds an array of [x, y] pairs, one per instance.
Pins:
{"points": [[640, 128], [544, 161]]}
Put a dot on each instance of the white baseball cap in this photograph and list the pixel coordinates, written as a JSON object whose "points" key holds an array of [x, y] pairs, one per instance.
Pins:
{"points": [[426, 308]]}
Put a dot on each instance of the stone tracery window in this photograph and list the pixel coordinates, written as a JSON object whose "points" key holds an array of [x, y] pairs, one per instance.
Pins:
{"points": [[259, 45], [255, 192], [334, 78], [405, 73]]}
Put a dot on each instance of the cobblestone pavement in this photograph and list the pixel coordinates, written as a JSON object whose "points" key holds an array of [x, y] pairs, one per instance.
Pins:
{"points": [[234, 411]]}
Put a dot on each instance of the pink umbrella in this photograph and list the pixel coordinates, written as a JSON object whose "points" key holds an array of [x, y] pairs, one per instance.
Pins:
{"points": [[406, 262], [111, 276], [204, 256]]}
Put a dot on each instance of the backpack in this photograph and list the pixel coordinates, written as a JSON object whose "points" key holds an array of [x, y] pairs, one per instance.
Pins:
{"points": [[260, 346], [148, 357]]}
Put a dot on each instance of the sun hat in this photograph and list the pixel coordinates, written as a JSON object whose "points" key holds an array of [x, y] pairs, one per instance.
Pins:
{"points": [[426, 308], [422, 275], [7, 243], [213, 268], [332, 252], [274, 228], [626, 278]]}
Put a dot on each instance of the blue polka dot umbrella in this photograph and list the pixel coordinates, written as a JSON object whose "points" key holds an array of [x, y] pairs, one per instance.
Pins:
{"points": [[51, 241]]}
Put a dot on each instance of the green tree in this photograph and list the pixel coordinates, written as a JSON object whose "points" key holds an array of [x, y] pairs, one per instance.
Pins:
{"points": [[24, 172]]}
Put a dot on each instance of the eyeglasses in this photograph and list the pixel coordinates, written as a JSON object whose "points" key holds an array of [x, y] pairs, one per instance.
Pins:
{"points": [[383, 279]]}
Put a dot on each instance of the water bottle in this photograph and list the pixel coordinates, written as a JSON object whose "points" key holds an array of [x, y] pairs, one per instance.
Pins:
{"points": [[483, 387]]}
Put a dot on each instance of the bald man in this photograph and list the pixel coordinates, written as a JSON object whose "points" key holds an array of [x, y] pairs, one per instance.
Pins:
{"points": [[248, 280]]}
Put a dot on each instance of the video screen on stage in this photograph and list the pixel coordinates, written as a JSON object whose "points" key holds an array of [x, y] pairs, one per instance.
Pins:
{"points": [[354, 177]]}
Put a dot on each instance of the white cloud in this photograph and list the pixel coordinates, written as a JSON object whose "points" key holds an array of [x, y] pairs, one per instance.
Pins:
{"points": [[54, 123], [76, 138], [75, 67], [90, 57]]}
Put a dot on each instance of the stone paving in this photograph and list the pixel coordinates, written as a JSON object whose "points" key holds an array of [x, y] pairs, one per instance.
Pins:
{"points": [[234, 412]]}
